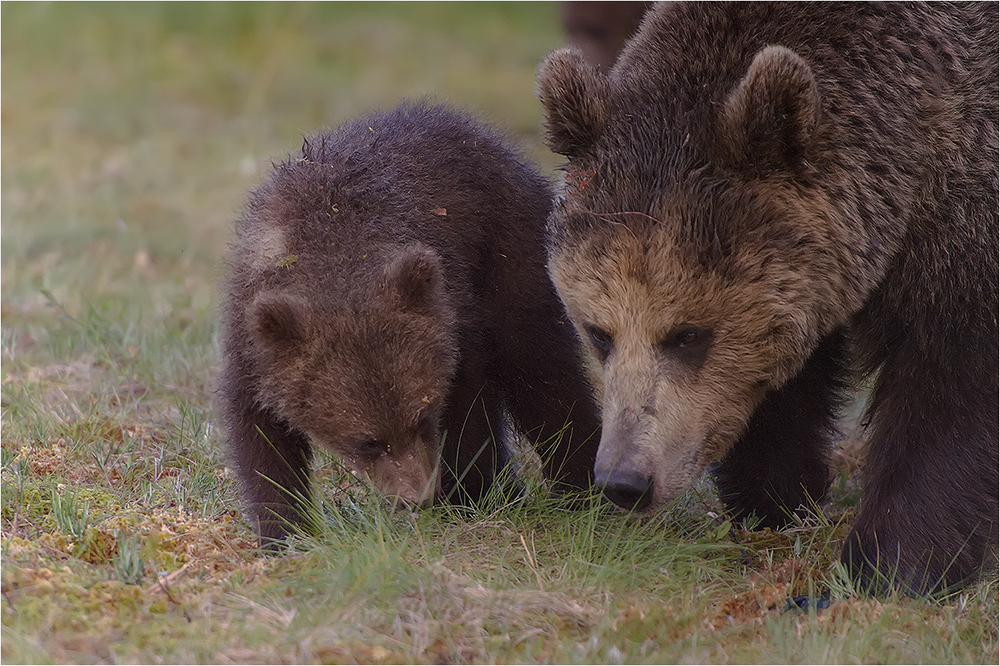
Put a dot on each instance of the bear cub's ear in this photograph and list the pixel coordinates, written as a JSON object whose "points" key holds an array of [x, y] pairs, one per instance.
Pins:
{"points": [[414, 276], [572, 92], [770, 119], [279, 319]]}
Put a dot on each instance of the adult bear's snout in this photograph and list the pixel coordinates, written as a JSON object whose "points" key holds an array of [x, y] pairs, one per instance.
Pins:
{"points": [[628, 489]]}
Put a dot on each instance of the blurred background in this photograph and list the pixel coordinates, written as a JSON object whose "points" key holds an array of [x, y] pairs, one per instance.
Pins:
{"points": [[132, 131]]}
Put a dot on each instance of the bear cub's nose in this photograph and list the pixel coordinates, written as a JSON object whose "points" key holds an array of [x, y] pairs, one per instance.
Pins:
{"points": [[629, 490]]}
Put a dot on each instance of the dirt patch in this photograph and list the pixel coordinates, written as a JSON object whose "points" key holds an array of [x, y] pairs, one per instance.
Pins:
{"points": [[769, 592]]}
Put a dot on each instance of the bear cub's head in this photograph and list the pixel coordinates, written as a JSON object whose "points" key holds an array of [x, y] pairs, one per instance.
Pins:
{"points": [[368, 381]]}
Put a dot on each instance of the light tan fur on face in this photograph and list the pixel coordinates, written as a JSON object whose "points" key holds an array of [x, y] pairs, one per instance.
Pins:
{"points": [[413, 476], [660, 416], [406, 478]]}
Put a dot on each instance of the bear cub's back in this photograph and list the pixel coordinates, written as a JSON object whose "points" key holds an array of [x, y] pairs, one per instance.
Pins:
{"points": [[415, 174]]}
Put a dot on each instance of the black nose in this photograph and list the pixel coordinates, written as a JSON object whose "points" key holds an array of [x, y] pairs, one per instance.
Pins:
{"points": [[629, 490]]}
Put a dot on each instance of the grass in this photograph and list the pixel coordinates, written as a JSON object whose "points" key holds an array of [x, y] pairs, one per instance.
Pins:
{"points": [[131, 133]]}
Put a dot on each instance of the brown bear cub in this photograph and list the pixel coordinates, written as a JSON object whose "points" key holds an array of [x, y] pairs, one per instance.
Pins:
{"points": [[760, 199], [387, 292]]}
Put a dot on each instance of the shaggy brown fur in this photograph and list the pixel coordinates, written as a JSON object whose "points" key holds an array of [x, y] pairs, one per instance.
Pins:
{"points": [[760, 195], [387, 288]]}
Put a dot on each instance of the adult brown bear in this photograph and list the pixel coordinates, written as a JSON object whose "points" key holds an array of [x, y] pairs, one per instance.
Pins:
{"points": [[387, 288], [761, 197]]}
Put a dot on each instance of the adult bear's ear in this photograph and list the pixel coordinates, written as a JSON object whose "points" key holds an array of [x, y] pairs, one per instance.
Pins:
{"points": [[573, 94], [415, 278], [770, 120], [280, 320]]}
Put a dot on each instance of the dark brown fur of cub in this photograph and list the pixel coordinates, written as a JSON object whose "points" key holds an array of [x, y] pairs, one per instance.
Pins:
{"points": [[387, 288]]}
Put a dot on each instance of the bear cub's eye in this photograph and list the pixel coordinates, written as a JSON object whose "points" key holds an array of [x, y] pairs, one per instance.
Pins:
{"points": [[602, 341], [372, 448], [426, 429]]}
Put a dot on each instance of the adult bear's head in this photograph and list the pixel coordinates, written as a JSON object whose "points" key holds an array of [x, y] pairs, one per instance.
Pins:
{"points": [[694, 254]]}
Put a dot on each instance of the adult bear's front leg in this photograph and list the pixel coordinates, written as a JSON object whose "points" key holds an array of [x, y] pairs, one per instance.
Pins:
{"points": [[928, 517], [780, 462]]}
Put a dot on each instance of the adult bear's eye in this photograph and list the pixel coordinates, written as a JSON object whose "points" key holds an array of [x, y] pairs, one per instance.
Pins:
{"points": [[602, 341], [688, 343], [687, 336]]}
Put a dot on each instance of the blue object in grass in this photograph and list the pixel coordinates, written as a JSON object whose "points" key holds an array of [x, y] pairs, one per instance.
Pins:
{"points": [[805, 602]]}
